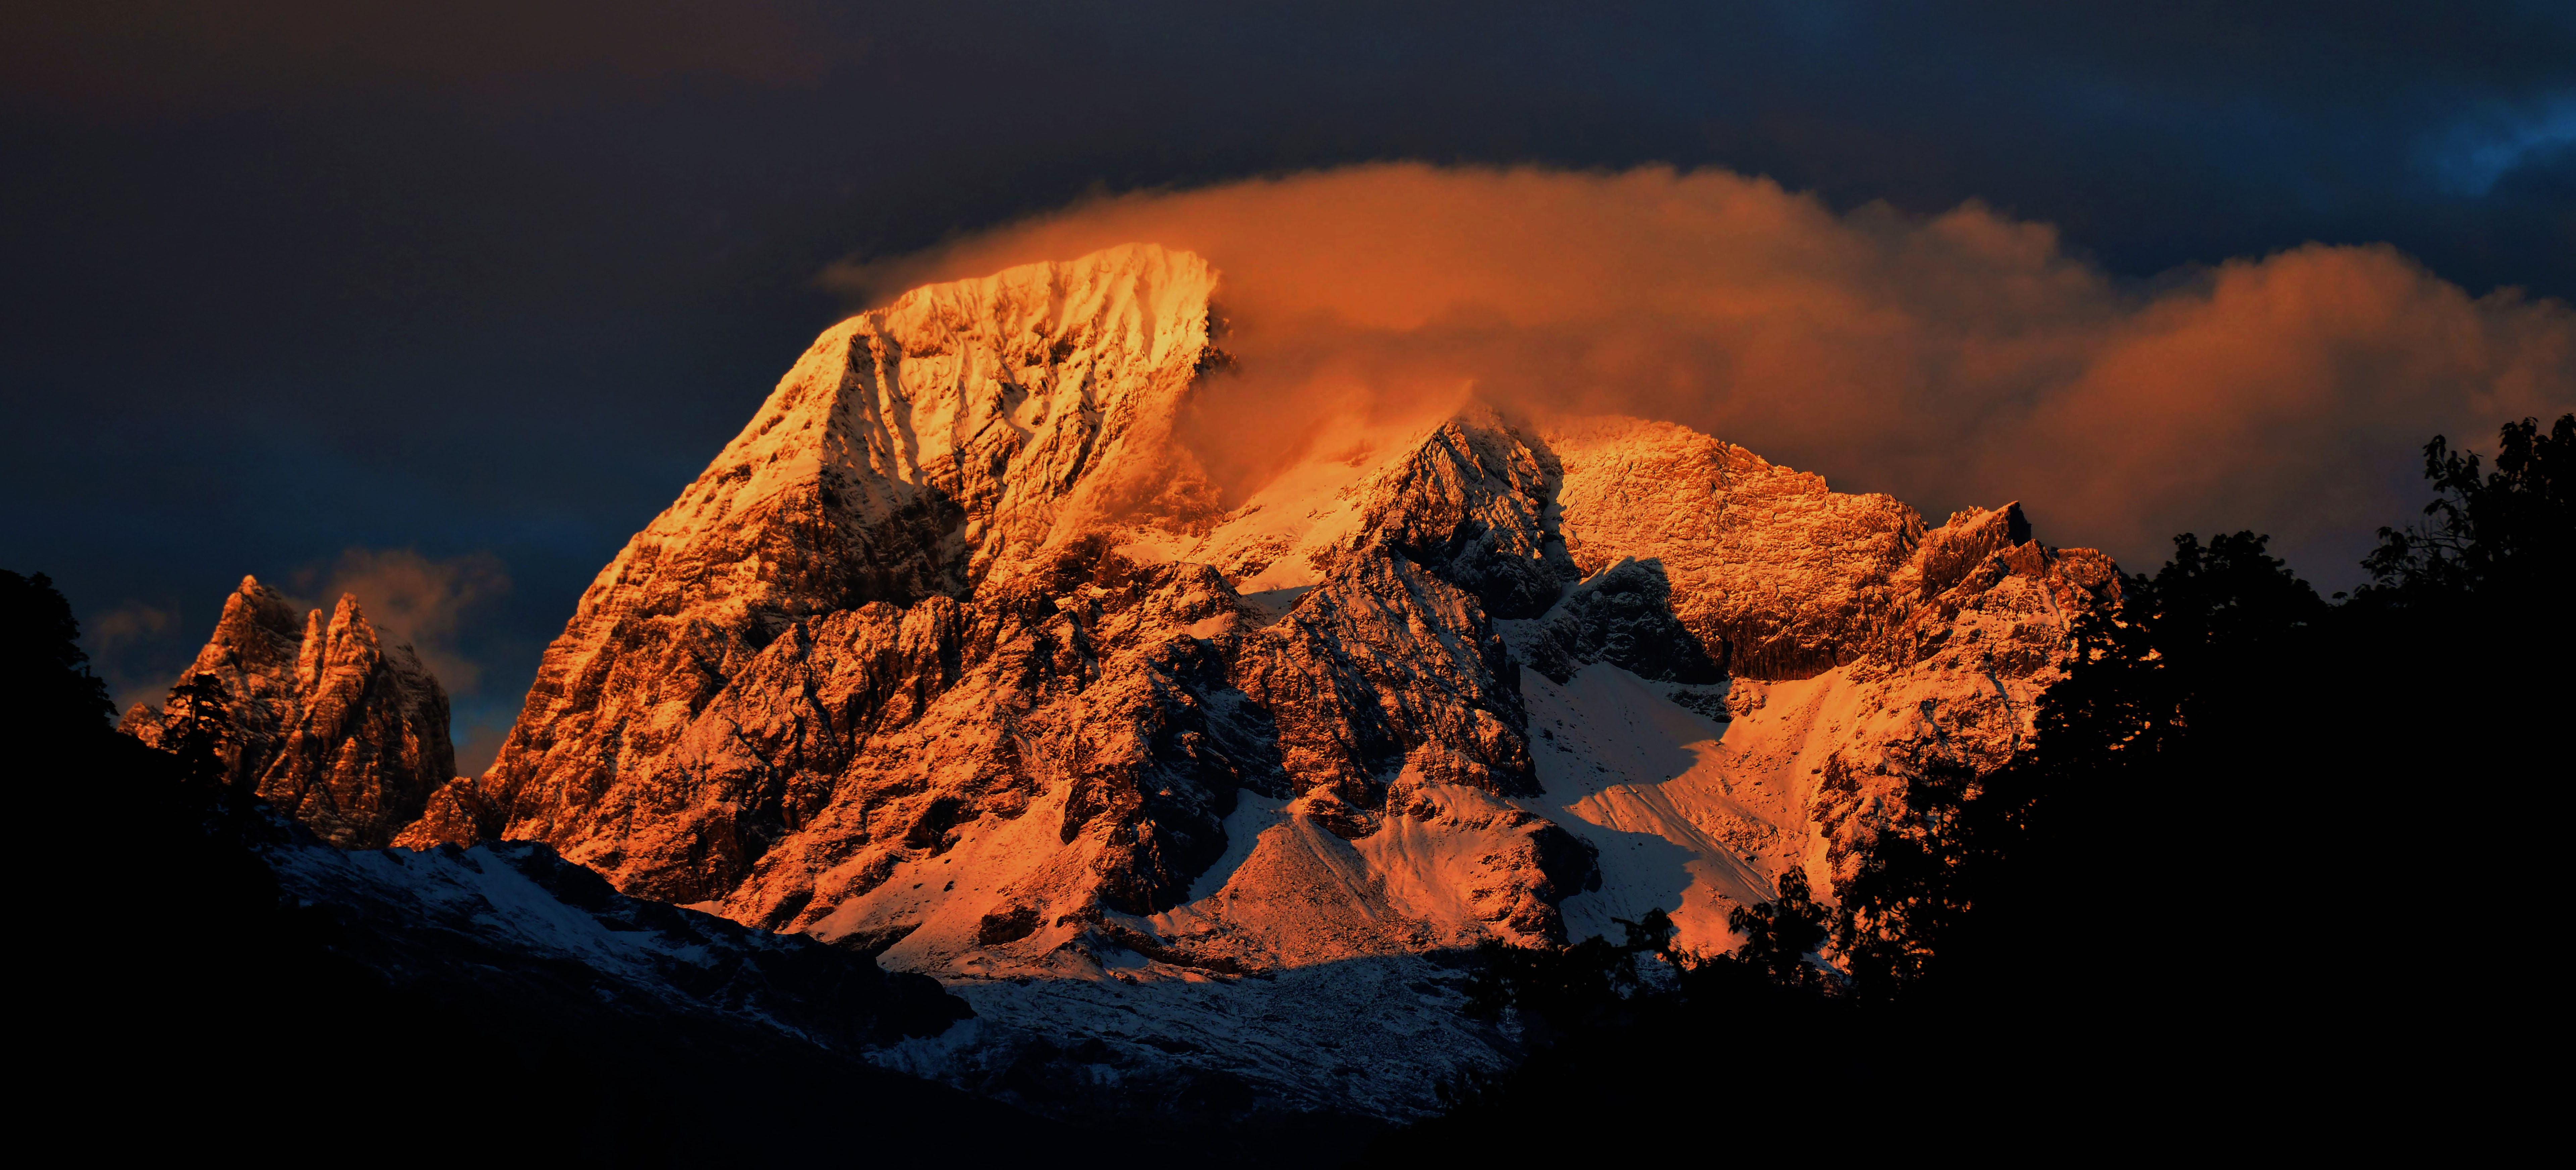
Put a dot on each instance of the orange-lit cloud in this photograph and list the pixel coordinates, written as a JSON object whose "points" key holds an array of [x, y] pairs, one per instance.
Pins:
{"points": [[1962, 358]]}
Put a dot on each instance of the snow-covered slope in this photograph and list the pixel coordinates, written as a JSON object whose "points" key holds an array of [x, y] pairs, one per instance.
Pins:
{"points": [[953, 655], [512, 921]]}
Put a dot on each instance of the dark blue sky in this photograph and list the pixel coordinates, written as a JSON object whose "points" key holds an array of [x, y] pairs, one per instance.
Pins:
{"points": [[498, 278]]}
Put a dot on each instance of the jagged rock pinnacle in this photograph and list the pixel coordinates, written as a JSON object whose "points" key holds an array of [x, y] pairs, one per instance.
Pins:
{"points": [[330, 724]]}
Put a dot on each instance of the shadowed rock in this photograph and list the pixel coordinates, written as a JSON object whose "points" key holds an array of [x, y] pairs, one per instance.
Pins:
{"points": [[1623, 616]]}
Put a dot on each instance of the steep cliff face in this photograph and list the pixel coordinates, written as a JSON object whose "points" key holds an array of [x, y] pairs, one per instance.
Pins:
{"points": [[923, 451], [330, 724]]}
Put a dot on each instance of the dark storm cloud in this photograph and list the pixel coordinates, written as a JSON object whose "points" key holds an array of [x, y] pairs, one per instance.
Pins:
{"points": [[163, 58], [280, 279]]}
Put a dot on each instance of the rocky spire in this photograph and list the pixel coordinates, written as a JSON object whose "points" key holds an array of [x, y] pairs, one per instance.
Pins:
{"points": [[329, 723]]}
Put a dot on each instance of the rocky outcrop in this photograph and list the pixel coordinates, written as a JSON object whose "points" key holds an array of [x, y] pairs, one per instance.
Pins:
{"points": [[329, 723], [1622, 615], [455, 814], [1777, 576]]}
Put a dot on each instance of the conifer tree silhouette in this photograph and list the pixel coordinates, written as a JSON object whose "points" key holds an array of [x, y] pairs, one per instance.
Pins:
{"points": [[1781, 933], [200, 728], [50, 691]]}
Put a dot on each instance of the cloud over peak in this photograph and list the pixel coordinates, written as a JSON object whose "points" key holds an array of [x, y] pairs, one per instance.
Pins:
{"points": [[1965, 357]]}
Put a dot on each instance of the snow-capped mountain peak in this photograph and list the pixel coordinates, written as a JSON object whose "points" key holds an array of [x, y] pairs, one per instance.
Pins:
{"points": [[954, 656]]}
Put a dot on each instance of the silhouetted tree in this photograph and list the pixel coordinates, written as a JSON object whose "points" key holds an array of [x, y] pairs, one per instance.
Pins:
{"points": [[1554, 990], [2471, 607], [198, 725], [1652, 933], [1913, 891], [2179, 640], [1781, 933], [2513, 531], [50, 691]]}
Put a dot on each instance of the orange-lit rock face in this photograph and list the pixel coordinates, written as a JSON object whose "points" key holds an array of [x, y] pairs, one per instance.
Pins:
{"points": [[331, 725], [953, 651]]}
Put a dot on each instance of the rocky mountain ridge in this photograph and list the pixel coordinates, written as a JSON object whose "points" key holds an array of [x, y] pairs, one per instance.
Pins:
{"points": [[330, 723]]}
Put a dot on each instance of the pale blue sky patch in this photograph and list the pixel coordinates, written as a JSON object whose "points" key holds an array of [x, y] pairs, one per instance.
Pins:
{"points": [[2473, 155]]}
